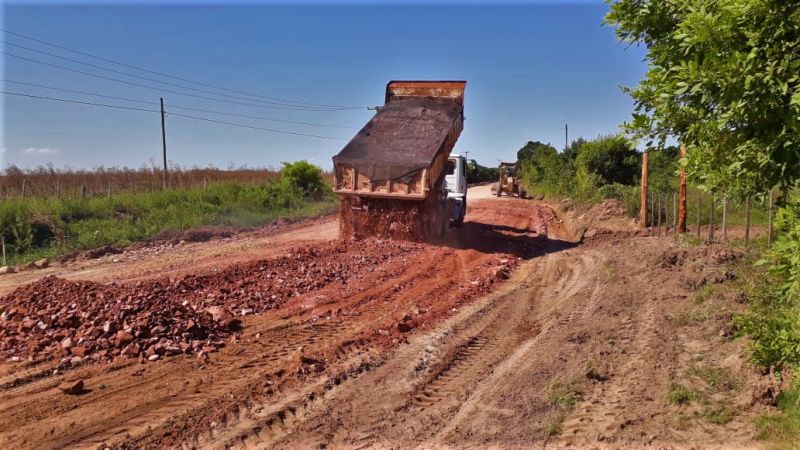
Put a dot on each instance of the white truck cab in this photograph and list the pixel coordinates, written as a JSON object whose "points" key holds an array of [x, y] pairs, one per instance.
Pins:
{"points": [[455, 184]]}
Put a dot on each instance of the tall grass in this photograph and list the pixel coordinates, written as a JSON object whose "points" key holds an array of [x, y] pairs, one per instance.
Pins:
{"points": [[48, 181], [46, 226]]}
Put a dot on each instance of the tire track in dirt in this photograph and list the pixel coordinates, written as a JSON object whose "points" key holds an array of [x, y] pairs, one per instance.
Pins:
{"points": [[247, 393], [466, 352], [602, 412]]}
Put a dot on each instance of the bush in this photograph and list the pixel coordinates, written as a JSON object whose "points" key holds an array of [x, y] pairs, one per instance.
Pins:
{"points": [[773, 319], [588, 170], [304, 176], [610, 158], [544, 170]]}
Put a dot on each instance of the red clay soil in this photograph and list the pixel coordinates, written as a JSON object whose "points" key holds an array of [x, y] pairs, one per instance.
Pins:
{"points": [[378, 343], [419, 221], [333, 300]]}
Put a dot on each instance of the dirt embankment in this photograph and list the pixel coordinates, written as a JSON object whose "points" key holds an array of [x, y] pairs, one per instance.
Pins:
{"points": [[507, 334]]}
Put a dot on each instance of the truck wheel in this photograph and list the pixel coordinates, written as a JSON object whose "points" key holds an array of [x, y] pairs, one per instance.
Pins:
{"points": [[498, 191], [523, 193]]}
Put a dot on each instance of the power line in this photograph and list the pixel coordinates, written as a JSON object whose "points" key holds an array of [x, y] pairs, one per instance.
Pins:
{"points": [[205, 119], [173, 77], [210, 111], [153, 80], [69, 69]]}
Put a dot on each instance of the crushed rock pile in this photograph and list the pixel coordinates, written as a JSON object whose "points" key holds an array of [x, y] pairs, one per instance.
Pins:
{"points": [[78, 319], [75, 320]]}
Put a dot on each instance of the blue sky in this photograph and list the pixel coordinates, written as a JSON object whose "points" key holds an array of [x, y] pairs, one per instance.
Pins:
{"points": [[531, 68]]}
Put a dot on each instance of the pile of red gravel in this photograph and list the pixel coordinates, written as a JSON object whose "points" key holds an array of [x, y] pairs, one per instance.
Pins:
{"points": [[79, 320]]}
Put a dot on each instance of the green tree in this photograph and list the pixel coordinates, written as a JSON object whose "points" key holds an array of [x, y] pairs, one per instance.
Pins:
{"points": [[527, 151], [304, 176], [610, 158], [723, 79], [664, 169], [477, 173], [544, 170]]}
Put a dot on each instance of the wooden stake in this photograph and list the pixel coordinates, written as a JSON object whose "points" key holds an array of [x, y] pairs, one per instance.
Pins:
{"points": [[747, 222], [682, 210], [660, 201], [769, 220], [711, 221], [643, 204], [725, 218], [675, 213], [699, 198]]}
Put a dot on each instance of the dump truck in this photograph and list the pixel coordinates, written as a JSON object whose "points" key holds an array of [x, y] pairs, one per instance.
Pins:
{"points": [[509, 182], [397, 177]]}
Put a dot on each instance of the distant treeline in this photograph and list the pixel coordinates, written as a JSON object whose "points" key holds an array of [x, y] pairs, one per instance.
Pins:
{"points": [[48, 181], [477, 173], [609, 167]]}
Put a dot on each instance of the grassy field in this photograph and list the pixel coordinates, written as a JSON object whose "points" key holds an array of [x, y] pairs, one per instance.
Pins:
{"points": [[34, 228]]}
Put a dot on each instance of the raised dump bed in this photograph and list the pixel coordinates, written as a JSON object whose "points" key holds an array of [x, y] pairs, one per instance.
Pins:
{"points": [[399, 157]]}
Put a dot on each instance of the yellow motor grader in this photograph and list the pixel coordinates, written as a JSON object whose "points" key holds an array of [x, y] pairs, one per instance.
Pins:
{"points": [[509, 183]]}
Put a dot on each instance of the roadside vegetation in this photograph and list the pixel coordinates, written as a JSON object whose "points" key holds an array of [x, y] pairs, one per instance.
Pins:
{"points": [[67, 182], [38, 227], [477, 173], [724, 80]]}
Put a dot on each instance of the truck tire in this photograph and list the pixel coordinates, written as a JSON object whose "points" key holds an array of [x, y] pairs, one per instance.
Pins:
{"points": [[523, 193]]}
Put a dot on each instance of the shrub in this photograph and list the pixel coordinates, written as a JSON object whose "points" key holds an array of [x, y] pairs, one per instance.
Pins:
{"points": [[773, 319], [304, 176], [610, 158]]}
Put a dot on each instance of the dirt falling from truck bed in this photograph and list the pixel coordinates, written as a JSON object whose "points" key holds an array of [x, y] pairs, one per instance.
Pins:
{"points": [[410, 220]]}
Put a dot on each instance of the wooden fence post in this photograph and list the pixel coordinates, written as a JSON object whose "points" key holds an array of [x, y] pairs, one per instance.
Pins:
{"points": [[711, 221], [769, 221], [725, 218], [675, 213], [747, 222], [3, 241], [643, 200], [699, 198], [659, 214], [682, 212], [23, 187]]}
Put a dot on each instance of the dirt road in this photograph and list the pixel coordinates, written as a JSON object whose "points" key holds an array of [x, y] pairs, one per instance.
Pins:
{"points": [[424, 345]]}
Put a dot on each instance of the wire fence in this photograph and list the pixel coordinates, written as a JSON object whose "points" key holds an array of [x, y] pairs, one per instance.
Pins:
{"points": [[712, 217], [76, 183]]}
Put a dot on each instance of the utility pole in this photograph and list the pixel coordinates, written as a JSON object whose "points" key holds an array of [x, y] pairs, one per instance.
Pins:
{"points": [[164, 142], [566, 136]]}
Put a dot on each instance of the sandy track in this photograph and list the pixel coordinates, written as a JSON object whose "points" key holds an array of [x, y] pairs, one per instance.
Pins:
{"points": [[479, 368]]}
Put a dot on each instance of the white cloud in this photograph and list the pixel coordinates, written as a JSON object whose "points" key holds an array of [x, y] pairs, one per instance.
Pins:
{"points": [[40, 151], [2, 158]]}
